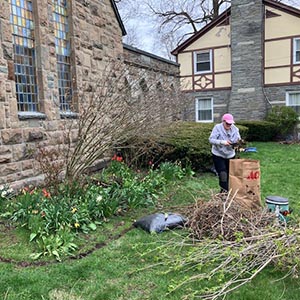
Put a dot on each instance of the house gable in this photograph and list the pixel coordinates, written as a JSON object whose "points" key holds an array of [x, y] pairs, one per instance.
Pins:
{"points": [[281, 26], [271, 14], [217, 36], [222, 20], [212, 42], [281, 33], [274, 8], [250, 50], [282, 7], [284, 25]]}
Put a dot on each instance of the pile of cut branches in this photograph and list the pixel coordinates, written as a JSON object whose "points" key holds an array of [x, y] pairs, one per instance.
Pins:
{"points": [[226, 218], [230, 246], [220, 267]]}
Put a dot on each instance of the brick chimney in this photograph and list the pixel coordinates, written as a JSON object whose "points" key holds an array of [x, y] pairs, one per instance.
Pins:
{"points": [[247, 31]]}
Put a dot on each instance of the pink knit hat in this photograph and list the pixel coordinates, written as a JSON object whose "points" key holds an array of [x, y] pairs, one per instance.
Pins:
{"points": [[228, 118]]}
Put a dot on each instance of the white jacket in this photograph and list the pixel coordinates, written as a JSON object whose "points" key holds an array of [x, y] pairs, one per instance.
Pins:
{"points": [[218, 138]]}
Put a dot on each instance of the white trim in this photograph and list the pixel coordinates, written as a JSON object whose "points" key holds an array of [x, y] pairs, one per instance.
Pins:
{"points": [[245, 43], [68, 114], [23, 115], [294, 50], [287, 94], [246, 90], [278, 102], [195, 61], [196, 109], [220, 105]]}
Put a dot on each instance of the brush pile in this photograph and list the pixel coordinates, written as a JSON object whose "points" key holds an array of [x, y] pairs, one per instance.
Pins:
{"points": [[230, 246], [223, 217]]}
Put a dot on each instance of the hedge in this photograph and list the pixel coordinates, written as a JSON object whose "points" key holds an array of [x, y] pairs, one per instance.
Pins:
{"points": [[186, 142], [259, 130]]}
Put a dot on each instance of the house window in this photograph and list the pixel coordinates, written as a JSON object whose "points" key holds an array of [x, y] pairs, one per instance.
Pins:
{"points": [[21, 19], [204, 109], [63, 53], [203, 61], [296, 50], [293, 100]]}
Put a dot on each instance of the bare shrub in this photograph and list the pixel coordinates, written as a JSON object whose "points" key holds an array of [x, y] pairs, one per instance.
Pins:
{"points": [[122, 105], [51, 164]]}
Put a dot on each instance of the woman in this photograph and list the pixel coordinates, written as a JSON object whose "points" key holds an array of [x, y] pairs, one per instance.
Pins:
{"points": [[222, 138]]}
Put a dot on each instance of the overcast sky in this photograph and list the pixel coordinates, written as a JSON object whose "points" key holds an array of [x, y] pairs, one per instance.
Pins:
{"points": [[142, 26]]}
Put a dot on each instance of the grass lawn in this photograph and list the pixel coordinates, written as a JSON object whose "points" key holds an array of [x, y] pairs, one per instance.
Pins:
{"points": [[112, 264]]}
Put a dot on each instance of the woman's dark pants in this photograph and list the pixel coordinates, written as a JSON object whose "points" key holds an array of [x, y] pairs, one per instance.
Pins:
{"points": [[222, 168]]}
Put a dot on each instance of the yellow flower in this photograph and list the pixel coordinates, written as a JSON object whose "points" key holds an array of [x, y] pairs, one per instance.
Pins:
{"points": [[74, 209], [76, 225], [35, 212]]}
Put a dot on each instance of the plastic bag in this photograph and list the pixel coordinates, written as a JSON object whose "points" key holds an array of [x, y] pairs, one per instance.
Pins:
{"points": [[160, 221]]}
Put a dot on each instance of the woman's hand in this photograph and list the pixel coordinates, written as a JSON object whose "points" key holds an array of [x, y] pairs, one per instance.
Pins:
{"points": [[226, 143]]}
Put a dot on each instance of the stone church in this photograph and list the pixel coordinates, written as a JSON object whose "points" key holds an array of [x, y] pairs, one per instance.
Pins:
{"points": [[51, 50]]}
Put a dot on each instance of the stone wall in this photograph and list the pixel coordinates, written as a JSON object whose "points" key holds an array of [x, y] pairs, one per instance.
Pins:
{"points": [[247, 99], [140, 59], [221, 100], [96, 37], [276, 95], [148, 72], [155, 81]]}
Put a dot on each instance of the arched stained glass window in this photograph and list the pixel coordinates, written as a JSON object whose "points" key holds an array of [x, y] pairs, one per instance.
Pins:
{"points": [[63, 53], [21, 19]]}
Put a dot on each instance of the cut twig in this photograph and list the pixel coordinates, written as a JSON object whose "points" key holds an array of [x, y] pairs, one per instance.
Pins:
{"points": [[230, 246]]}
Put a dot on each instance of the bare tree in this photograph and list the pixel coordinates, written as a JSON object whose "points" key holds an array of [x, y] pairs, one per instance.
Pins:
{"points": [[124, 104], [175, 21], [167, 42], [190, 14], [172, 21], [132, 12], [186, 12], [130, 9]]}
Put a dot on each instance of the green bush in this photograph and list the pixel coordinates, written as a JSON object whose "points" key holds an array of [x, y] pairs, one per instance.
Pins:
{"points": [[263, 131], [53, 221], [48, 219], [189, 144], [285, 119], [184, 142], [139, 189]]}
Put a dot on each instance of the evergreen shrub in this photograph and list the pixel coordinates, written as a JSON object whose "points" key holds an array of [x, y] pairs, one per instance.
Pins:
{"points": [[263, 131], [184, 142], [285, 118]]}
